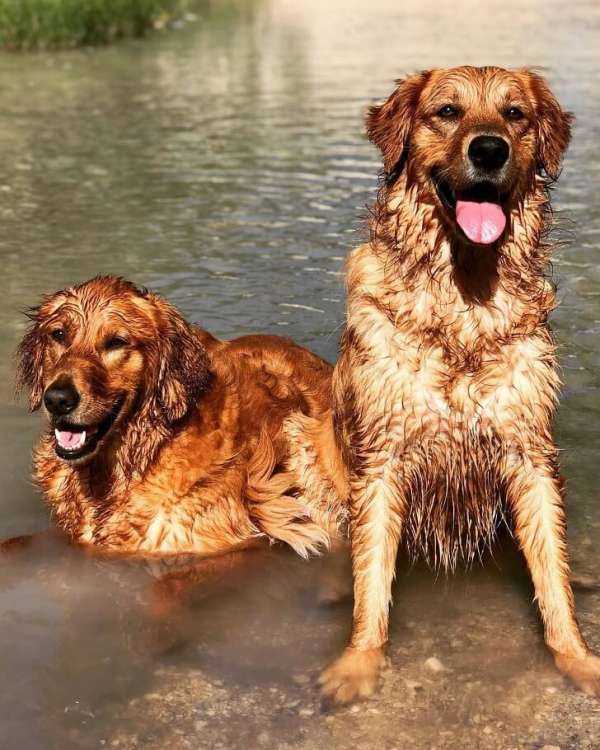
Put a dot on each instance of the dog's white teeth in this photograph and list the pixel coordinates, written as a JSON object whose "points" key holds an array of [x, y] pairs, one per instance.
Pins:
{"points": [[70, 440]]}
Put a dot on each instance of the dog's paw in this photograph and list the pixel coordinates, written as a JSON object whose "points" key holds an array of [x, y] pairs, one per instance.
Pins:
{"points": [[585, 672], [353, 676]]}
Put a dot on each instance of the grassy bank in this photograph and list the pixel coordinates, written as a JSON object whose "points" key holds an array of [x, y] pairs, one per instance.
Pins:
{"points": [[43, 24]]}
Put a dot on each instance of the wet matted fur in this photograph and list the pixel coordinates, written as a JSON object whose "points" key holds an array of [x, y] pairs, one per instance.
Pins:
{"points": [[446, 387], [177, 435]]}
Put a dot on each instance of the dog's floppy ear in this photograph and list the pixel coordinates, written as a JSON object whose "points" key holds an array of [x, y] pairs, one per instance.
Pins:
{"points": [[181, 370], [30, 357], [554, 126], [389, 124]]}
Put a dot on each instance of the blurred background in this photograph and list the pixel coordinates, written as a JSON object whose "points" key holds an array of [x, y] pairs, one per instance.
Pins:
{"points": [[221, 161]]}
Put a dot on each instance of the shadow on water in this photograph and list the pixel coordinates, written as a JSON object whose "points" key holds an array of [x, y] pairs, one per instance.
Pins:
{"points": [[82, 636], [91, 649]]}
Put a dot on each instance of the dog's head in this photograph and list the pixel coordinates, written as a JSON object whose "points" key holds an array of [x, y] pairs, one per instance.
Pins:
{"points": [[473, 139], [98, 354]]}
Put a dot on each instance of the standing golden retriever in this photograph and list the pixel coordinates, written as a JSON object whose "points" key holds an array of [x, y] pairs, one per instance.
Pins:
{"points": [[162, 440], [446, 386]]}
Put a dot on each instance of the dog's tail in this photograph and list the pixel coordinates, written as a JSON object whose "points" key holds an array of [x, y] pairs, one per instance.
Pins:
{"points": [[275, 506]]}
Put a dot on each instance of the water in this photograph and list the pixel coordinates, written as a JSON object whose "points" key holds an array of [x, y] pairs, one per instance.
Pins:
{"points": [[224, 165]]}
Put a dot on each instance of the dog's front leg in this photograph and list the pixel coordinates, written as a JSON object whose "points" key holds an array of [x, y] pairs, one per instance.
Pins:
{"points": [[27, 541], [535, 498], [377, 510]]}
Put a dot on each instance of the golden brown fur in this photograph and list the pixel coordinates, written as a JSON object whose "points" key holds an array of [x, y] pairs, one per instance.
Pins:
{"points": [[445, 390], [192, 463]]}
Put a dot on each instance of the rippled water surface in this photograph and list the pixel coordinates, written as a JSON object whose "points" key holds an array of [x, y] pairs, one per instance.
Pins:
{"points": [[224, 165]]}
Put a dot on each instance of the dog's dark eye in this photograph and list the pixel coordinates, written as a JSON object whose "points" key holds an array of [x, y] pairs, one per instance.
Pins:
{"points": [[447, 111], [114, 342], [514, 113], [58, 335]]}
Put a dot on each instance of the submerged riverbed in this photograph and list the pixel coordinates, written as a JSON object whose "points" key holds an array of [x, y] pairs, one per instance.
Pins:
{"points": [[224, 165]]}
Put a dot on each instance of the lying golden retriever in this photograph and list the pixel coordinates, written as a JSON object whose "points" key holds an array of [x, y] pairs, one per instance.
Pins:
{"points": [[445, 390], [162, 440]]}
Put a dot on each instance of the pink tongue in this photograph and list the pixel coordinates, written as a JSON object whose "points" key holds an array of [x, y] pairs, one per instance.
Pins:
{"points": [[69, 439], [481, 222]]}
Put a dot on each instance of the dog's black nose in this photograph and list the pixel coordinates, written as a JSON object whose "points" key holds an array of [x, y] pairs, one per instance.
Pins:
{"points": [[488, 152], [61, 398]]}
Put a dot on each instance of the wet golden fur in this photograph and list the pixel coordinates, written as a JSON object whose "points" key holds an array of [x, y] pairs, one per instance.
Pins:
{"points": [[445, 390], [192, 464]]}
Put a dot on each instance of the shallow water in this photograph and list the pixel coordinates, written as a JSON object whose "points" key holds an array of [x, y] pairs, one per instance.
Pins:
{"points": [[224, 165]]}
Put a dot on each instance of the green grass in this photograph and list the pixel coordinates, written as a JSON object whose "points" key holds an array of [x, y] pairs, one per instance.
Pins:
{"points": [[44, 24]]}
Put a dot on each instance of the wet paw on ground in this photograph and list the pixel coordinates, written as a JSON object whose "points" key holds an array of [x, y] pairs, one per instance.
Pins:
{"points": [[94, 662]]}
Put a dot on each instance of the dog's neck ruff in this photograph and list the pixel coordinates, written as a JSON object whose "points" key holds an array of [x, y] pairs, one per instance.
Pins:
{"points": [[434, 282], [105, 478]]}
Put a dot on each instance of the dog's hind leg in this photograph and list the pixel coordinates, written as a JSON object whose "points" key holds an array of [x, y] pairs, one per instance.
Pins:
{"points": [[335, 580], [535, 497]]}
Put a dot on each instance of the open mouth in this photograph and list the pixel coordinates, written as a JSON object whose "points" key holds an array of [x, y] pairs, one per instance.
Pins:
{"points": [[75, 441], [478, 211]]}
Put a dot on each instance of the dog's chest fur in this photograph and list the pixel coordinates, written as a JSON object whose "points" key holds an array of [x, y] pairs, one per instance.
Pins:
{"points": [[442, 394], [179, 507]]}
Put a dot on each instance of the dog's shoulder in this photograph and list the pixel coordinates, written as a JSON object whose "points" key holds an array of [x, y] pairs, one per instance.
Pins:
{"points": [[364, 269]]}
